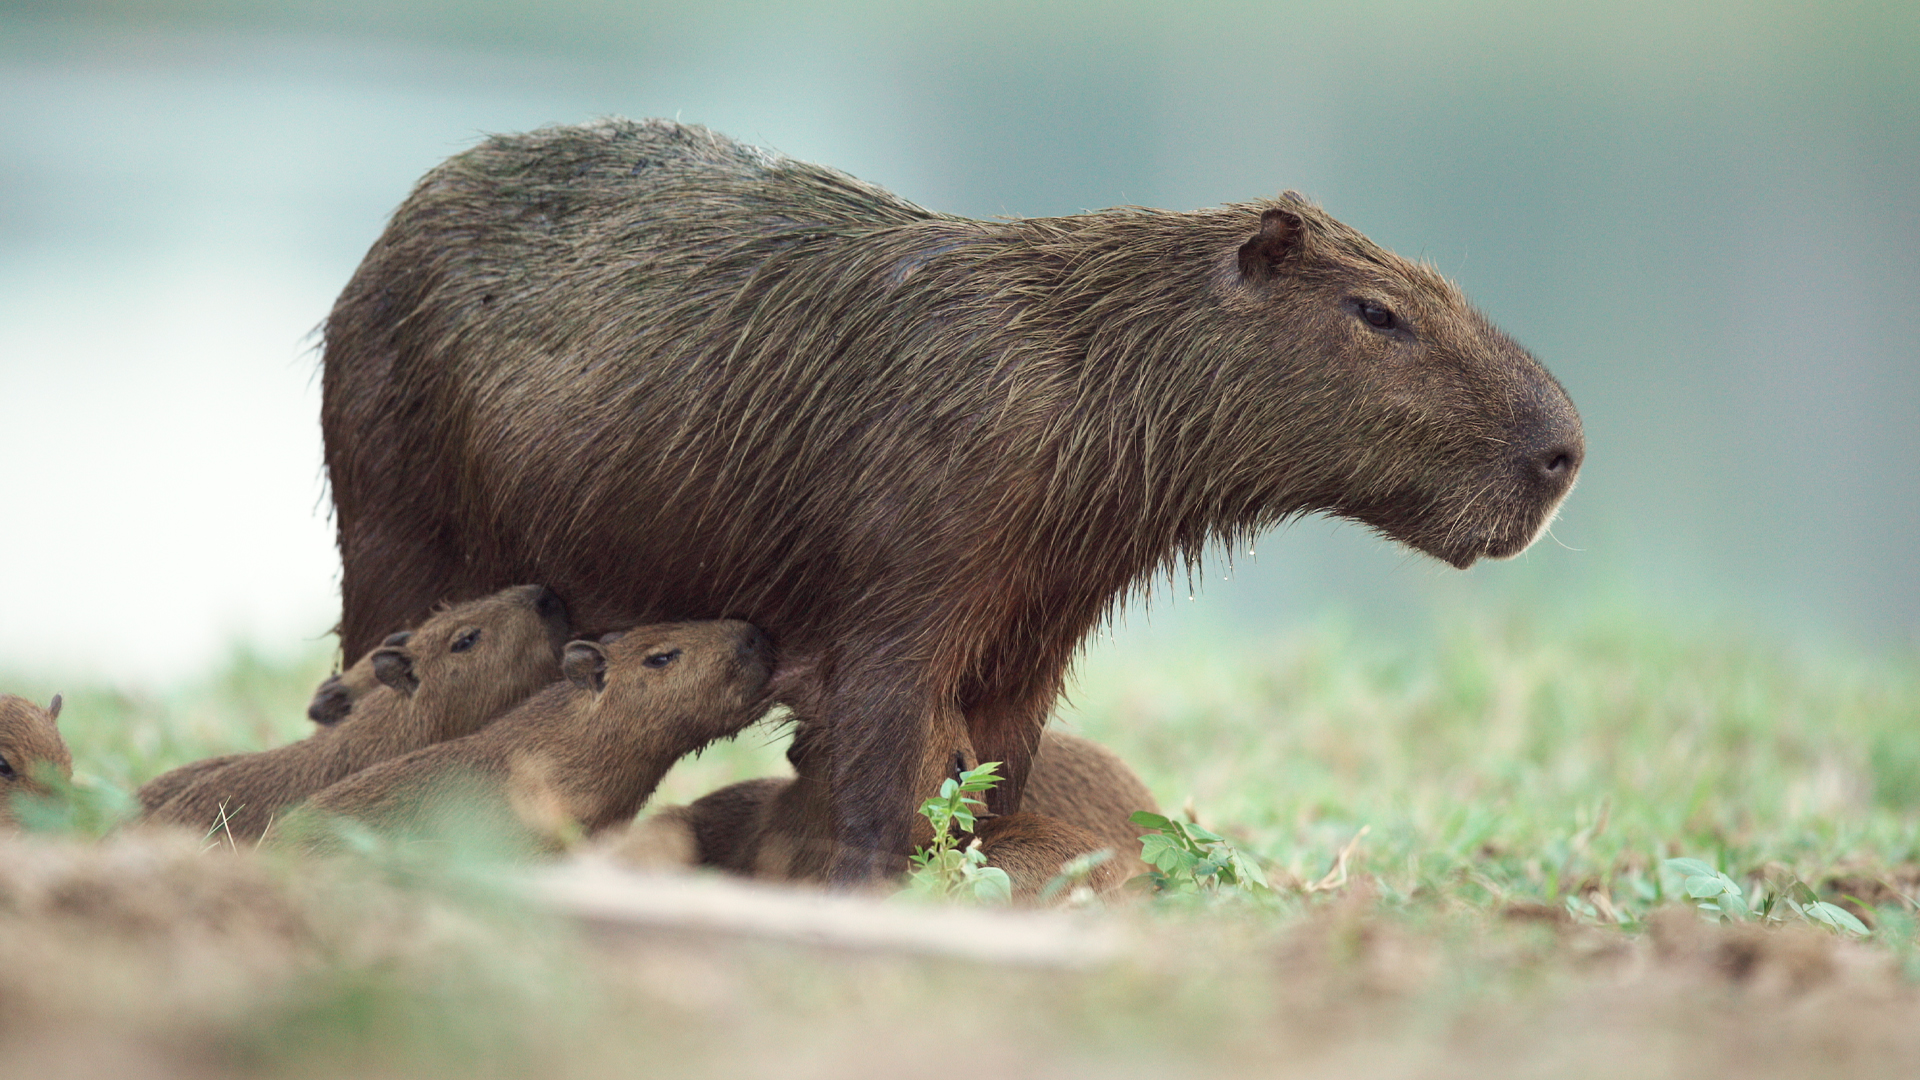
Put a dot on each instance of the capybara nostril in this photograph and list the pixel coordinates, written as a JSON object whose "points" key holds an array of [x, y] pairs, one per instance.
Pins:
{"points": [[1558, 463]]}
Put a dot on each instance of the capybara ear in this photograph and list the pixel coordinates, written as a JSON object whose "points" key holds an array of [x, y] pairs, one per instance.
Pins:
{"points": [[393, 667], [612, 636], [1279, 237], [53, 708], [398, 638], [585, 665]]}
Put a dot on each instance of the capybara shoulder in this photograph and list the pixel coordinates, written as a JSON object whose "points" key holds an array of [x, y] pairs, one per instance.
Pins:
{"points": [[31, 751], [582, 755], [461, 668]]}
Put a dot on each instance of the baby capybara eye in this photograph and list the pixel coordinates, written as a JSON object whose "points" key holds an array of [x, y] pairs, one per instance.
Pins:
{"points": [[1378, 317], [662, 659], [466, 641], [6, 770]]}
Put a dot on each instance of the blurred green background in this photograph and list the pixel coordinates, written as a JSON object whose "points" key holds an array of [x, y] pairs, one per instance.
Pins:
{"points": [[1705, 219]]}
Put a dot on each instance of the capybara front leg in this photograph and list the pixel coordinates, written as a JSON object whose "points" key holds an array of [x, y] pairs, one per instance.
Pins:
{"points": [[875, 751]]}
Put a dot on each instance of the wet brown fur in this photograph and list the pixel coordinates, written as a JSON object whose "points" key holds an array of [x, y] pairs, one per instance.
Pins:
{"points": [[521, 631], [31, 751], [678, 377], [585, 753]]}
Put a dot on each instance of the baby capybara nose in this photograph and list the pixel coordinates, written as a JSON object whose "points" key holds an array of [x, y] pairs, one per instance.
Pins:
{"points": [[753, 645], [548, 605]]}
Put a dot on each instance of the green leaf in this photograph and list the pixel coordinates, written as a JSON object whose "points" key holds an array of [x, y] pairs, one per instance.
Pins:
{"points": [[1837, 917], [1152, 845], [1703, 886], [1250, 870], [1147, 819], [1692, 868], [992, 885]]}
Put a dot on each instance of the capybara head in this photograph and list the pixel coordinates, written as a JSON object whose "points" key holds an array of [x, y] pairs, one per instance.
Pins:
{"points": [[1394, 402], [477, 659], [708, 679], [31, 751], [333, 700]]}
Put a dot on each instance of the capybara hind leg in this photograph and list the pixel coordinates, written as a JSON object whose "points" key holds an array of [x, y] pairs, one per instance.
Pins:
{"points": [[1007, 730]]}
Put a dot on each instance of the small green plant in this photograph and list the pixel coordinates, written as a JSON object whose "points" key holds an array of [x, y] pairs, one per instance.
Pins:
{"points": [[1717, 894], [946, 869], [1187, 858]]}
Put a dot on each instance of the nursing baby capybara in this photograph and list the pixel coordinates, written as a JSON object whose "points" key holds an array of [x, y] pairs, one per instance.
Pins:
{"points": [[31, 750], [330, 704], [461, 668], [583, 754], [677, 377]]}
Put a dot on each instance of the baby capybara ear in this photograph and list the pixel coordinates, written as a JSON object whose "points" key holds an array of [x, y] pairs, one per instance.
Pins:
{"points": [[398, 638], [611, 637], [585, 665], [53, 708], [394, 667]]}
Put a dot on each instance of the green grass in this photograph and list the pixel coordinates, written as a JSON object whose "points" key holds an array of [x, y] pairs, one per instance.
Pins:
{"points": [[1508, 912], [1503, 761]]}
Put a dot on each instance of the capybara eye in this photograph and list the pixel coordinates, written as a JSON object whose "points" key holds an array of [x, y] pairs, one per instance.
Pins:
{"points": [[465, 641], [662, 659], [6, 770], [1377, 317]]}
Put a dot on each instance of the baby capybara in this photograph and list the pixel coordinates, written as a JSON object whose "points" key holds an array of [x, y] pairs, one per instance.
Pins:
{"points": [[461, 668], [330, 704], [1078, 801], [31, 751], [580, 755], [678, 377]]}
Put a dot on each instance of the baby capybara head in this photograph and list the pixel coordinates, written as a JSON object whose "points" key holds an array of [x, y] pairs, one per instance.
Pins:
{"points": [[333, 699], [477, 659], [707, 679], [31, 751], [1397, 404]]}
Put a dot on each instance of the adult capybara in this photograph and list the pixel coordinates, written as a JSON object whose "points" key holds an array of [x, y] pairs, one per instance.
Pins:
{"points": [[583, 754], [677, 377], [1078, 800], [461, 668], [31, 750]]}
